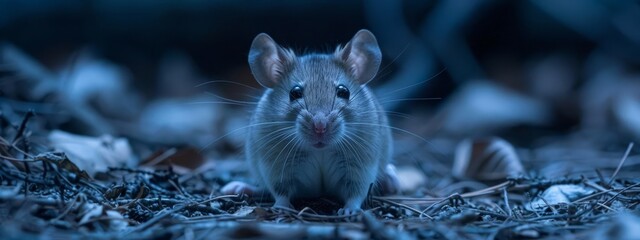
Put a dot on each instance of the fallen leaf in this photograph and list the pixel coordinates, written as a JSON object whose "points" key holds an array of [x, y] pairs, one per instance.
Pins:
{"points": [[489, 158], [483, 106], [410, 178], [91, 210], [187, 157], [244, 211], [93, 154], [557, 194], [112, 219]]}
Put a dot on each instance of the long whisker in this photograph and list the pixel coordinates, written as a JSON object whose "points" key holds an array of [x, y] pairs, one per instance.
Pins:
{"points": [[220, 102], [391, 113], [286, 159], [282, 136], [229, 99], [277, 158], [357, 154], [408, 99], [393, 128], [275, 135], [394, 59], [361, 131], [241, 128], [225, 81], [416, 84]]}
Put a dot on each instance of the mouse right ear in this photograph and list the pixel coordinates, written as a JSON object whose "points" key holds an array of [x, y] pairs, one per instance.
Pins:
{"points": [[362, 56], [268, 61]]}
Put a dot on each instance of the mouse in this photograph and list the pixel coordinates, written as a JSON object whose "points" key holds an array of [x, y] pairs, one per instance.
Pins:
{"points": [[318, 130]]}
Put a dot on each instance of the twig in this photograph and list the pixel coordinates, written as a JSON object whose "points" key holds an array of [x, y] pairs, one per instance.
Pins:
{"points": [[621, 191], [506, 201], [624, 158], [23, 126], [420, 214], [555, 211]]}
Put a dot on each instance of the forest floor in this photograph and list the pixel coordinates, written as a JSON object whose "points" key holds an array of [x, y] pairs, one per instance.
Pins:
{"points": [[44, 194]]}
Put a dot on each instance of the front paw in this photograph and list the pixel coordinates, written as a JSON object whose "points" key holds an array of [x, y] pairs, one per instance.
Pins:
{"points": [[351, 207], [345, 211], [282, 202], [237, 187]]}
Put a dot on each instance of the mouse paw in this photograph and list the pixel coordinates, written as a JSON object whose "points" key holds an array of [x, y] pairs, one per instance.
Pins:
{"points": [[282, 202], [237, 187], [390, 183], [349, 211]]}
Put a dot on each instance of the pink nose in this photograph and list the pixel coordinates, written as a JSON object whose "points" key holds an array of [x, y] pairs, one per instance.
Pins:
{"points": [[319, 124], [319, 127]]}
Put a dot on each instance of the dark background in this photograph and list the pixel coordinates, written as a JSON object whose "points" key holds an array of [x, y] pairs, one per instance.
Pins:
{"points": [[448, 43]]}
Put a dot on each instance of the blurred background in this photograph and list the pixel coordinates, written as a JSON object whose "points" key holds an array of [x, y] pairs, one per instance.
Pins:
{"points": [[174, 73]]}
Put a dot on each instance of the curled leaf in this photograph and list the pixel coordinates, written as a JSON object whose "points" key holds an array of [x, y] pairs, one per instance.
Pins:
{"points": [[557, 194], [486, 159], [93, 154]]}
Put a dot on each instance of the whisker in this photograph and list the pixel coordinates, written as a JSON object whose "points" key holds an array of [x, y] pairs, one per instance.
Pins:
{"points": [[393, 128], [225, 81], [254, 97], [391, 113], [241, 128], [270, 151], [357, 154], [277, 158], [220, 102], [286, 159], [282, 136], [406, 46], [408, 99], [229, 99], [416, 84], [277, 134]]}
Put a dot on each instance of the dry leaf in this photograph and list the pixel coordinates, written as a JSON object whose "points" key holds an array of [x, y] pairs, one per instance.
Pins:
{"points": [[410, 178], [187, 157], [114, 220], [486, 159], [93, 154], [244, 211], [91, 210], [564, 193], [482, 106], [62, 161]]}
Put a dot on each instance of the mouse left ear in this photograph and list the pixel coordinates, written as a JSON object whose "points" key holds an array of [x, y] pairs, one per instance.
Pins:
{"points": [[268, 61], [362, 56]]}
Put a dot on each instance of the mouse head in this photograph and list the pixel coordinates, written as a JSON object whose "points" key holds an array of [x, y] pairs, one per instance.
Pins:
{"points": [[321, 93]]}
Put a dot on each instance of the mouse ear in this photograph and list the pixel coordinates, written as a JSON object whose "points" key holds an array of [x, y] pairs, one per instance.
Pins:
{"points": [[362, 56], [267, 60]]}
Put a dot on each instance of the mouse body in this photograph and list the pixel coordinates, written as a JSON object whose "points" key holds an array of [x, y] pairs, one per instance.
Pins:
{"points": [[317, 130]]}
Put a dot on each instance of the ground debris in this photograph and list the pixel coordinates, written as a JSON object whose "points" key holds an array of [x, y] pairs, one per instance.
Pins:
{"points": [[47, 193]]}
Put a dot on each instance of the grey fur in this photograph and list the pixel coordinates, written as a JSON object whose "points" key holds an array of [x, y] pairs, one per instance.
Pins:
{"points": [[279, 147]]}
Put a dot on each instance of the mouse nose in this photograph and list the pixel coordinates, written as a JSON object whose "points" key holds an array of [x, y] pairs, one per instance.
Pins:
{"points": [[319, 123]]}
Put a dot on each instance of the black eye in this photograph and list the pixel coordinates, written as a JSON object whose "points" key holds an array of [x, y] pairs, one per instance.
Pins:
{"points": [[295, 93], [342, 92]]}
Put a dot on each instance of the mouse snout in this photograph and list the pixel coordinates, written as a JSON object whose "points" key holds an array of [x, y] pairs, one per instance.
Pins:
{"points": [[320, 124]]}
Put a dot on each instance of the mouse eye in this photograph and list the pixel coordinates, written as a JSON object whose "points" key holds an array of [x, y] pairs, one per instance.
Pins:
{"points": [[295, 93], [342, 92]]}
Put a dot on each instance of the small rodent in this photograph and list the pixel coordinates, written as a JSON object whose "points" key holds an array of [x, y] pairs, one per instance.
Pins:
{"points": [[318, 130]]}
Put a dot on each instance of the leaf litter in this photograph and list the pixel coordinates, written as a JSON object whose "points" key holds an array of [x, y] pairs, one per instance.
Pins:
{"points": [[47, 193]]}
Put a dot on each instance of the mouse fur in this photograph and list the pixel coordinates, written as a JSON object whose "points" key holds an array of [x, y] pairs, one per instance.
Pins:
{"points": [[308, 136]]}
